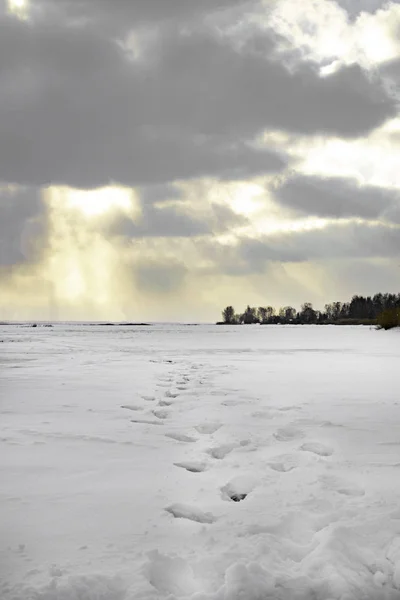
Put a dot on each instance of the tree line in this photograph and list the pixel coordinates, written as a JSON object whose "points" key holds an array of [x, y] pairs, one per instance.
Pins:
{"points": [[381, 309]]}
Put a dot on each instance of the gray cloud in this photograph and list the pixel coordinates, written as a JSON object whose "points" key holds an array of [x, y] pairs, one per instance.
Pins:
{"points": [[355, 7], [22, 226], [390, 72], [76, 109], [166, 222], [224, 218], [363, 276], [352, 240], [338, 197], [337, 241], [124, 14], [160, 193], [160, 277], [177, 221]]}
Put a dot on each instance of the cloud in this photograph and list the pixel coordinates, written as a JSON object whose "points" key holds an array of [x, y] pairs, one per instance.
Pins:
{"points": [[124, 14], [22, 225], [391, 71], [182, 220], [77, 109], [160, 193], [355, 7], [226, 219], [167, 221], [335, 197], [171, 99], [160, 277], [349, 241], [361, 276]]}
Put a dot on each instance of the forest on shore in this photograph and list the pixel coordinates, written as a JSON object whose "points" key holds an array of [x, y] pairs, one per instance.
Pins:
{"points": [[382, 310]]}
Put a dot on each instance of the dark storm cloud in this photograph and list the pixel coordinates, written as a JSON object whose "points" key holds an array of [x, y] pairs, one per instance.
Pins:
{"points": [[160, 277], [75, 109], [22, 225], [336, 241], [337, 197]]}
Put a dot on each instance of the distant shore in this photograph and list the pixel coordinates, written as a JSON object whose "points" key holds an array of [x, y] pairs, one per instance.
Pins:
{"points": [[371, 322]]}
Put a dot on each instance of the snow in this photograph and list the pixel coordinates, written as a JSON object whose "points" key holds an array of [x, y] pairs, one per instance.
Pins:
{"points": [[202, 463]]}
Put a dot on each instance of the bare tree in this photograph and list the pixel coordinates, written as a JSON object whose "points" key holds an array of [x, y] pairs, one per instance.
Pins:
{"points": [[228, 315]]}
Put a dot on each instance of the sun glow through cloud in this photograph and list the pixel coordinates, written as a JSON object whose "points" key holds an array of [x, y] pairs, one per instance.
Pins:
{"points": [[94, 203], [19, 8], [84, 267]]}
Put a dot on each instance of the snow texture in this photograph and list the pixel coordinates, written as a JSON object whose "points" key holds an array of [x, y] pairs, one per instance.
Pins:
{"points": [[199, 463]]}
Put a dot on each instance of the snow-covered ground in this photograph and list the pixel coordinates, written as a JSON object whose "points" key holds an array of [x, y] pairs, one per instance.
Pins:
{"points": [[218, 463]]}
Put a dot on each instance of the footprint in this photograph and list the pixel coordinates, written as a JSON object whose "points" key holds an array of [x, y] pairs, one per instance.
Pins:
{"points": [[161, 413], [131, 407], [317, 448], [181, 437], [351, 491], [208, 428], [171, 576], [184, 511], [283, 463], [262, 414], [169, 394], [233, 402], [165, 403], [146, 422], [330, 424], [345, 488], [287, 434], [192, 466], [149, 398], [221, 451], [181, 387], [238, 488]]}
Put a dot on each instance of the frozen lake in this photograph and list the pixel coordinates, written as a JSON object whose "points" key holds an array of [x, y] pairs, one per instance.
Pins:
{"points": [[213, 463]]}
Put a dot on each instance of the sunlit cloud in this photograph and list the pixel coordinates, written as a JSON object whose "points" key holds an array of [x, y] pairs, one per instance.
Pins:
{"points": [[372, 163], [18, 8], [322, 32], [100, 202], [245, 197]]}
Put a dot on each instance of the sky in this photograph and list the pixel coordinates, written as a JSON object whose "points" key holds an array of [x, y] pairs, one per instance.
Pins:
{"points": [[161, 159]]}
